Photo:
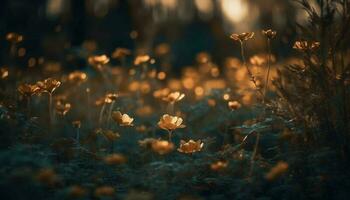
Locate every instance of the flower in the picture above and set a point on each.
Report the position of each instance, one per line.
(219, 165)
(114, 159)
(242, 37)
(174, 97)
(77, 191)
(141, 59)
(234, 105)
(77, 77)
(48, 85)
(110, 97)
(190, 146)
(98, 60)
(306, 45)
(14, 37)
(146, 143)
(121, 53)
(76, 124)
(279, 169)
(104, 191)
(110, 135)
(62, 108)
(122, 119)
(170, 123)
(47, 176)
(28, 89)
(4, 73)
(162, 146)
(270, 34)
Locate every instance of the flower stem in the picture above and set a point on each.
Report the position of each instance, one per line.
(101, 113)
(170, 134)
(50, 109)
(252, 161)
(268, 69)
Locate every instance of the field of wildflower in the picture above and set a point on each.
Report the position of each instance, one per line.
(87, 122)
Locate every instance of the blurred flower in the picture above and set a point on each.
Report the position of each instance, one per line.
(104, 191)
(77, 191)
(119, 53)
(279, 169)
(234, 105)
(110, 97)
(122, 119)
(47, 176)
(28, 89)
(162, 146)
(48, 85)
(190, 146)
(306, 45)
(203, 57)
(219, 165)
(77, 77)
(242, 37)
(270, 34)
(257, 60)
(141, 59)
(145, 110)
(162, 49)
(76, 124)
(98, 60)
(159, 94)
(14, 37)
(4, 73)
(62, 108)
(110, 135)
(174, 97)
(114, 159)
(170, 123)
(146, 143)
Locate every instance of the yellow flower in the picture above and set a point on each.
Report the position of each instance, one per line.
(77, 77)
(270, 34)
(174, 97)
(110, 135)
(306, 45)
(234, 105)
(162, 146)
(122, 119)
(170, 123)
(121, 53)
(28, 89)
(14, 37)
(141, 59)
(48, 85)
(190, 146)
(98, 60)
(242, 37)
(62, 108)
(110, 97)
(146, 143)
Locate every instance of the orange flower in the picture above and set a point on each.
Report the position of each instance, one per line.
(306, 45)
(141, 59)
(110, 97)
(170, 123)
(28, 89)
(104, 191)
(62, 108)
(110, 135)
(77, 77)
(76, 124)
(121, 53)
(190, 146)
(162, 146)
(234, 105)
(270, 34)
(4, 73)
(48, 85)
(77, 191)
(242, 37)
(146, 143)
(219, 165)
(47, 176)
(14, 37)
(122, 119)
(98, 60)
(174, 97)
(115, 159)
(279, 169)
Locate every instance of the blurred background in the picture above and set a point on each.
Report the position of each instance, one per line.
(72, 29)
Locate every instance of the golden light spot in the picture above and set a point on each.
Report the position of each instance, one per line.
(21, 52)
(226, 97)
(31, 62)
(199, 91)
(161, 75)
